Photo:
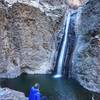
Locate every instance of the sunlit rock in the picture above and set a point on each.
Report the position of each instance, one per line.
(76, 3)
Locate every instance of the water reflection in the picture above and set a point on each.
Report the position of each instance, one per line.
(54, 89)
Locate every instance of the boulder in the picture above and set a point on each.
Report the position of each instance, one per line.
(9, 94)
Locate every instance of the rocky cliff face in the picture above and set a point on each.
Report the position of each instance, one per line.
(26, 40)
(86, 57)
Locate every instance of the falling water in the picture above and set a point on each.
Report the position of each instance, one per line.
(63, 48)
(93, 97)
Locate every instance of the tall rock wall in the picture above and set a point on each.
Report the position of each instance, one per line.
(26, 39)
(86, 57)
(27, 35)
(9, 94)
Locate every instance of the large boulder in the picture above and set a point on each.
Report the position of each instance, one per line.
(9, 94)
(86, 56)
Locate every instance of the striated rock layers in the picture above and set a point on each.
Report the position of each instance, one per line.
(26, 40)
(86, 57)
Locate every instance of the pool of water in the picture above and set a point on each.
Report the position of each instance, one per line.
(54, 89)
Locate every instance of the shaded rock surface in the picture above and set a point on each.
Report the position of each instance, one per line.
(8, 94)
(86, 57)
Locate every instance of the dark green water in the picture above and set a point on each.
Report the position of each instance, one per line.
(54, 89)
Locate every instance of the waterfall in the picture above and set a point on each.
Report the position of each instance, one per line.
(61, 58)
(93, 97)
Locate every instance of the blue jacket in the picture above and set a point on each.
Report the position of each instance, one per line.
(34, 94)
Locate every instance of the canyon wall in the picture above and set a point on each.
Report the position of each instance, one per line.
(86, 56)
(27, 41)
(27, 35)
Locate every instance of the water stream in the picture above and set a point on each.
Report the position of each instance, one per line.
(61, 58)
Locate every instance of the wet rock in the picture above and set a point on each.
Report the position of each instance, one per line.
(86, 57)
(70, 44)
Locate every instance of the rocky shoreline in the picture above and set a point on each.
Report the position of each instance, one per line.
(9, 94)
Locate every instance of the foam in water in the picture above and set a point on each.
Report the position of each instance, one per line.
(57, 76)
(63, 49)
(93, 97)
